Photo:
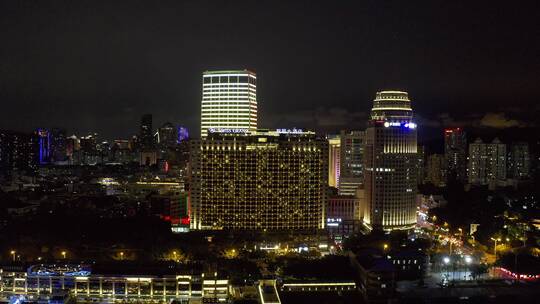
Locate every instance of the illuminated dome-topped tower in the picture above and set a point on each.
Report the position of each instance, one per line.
(391, 105)
(390, 163)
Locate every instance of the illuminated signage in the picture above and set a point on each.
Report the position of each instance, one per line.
(409, 125)
(228, 130)
(333, 222)
(392, 124)
(290, 131)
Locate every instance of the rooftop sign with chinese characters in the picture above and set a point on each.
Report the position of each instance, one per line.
(290, 131)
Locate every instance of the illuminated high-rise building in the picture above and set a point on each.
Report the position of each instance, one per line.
(267, 180)
(390, 163)
(334, 155)
(519, 161)
(182, 134)
(351, 175)
(18, 150)
(455, 153)
(44, 146)
(487, 163)
(229, 101)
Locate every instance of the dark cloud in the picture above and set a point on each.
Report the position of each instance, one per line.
(319, 119)
(500, 121)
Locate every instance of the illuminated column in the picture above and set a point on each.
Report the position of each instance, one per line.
(229, 100)
(164, 289)
(334, 161)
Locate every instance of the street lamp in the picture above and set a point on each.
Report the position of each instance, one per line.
(13, 252)
(495, 247)
(64, 253)
(174, 254)
(468, 262)
(121, 255)
(385, 247)
(446, 260)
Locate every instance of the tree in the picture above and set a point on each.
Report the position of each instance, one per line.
(479, 270)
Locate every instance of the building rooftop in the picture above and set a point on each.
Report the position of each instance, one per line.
(245, 71)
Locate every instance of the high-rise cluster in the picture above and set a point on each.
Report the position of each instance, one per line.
(253, 179)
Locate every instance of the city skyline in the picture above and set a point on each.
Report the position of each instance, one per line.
(272, 152)
(315, 75)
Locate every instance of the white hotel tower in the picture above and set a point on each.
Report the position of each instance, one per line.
(389, 162)
(229, 101)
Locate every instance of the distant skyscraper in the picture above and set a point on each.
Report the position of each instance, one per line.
(18, 150)
(58, 145)
(519, 161)
(487, 162)
(268, 180)
(182, 134)
(229, 101)
(390, 163)
(167, 135)
(455, 152)
(88, 154)
(351, 161)
(334, 155)
(436, 170)
(44, 146)
(146, 136)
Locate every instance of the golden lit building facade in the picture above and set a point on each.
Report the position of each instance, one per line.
(266, 180)
(390, 163)
(334, 161)
(229, 100)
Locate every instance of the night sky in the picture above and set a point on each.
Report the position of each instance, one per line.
(98, 66)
